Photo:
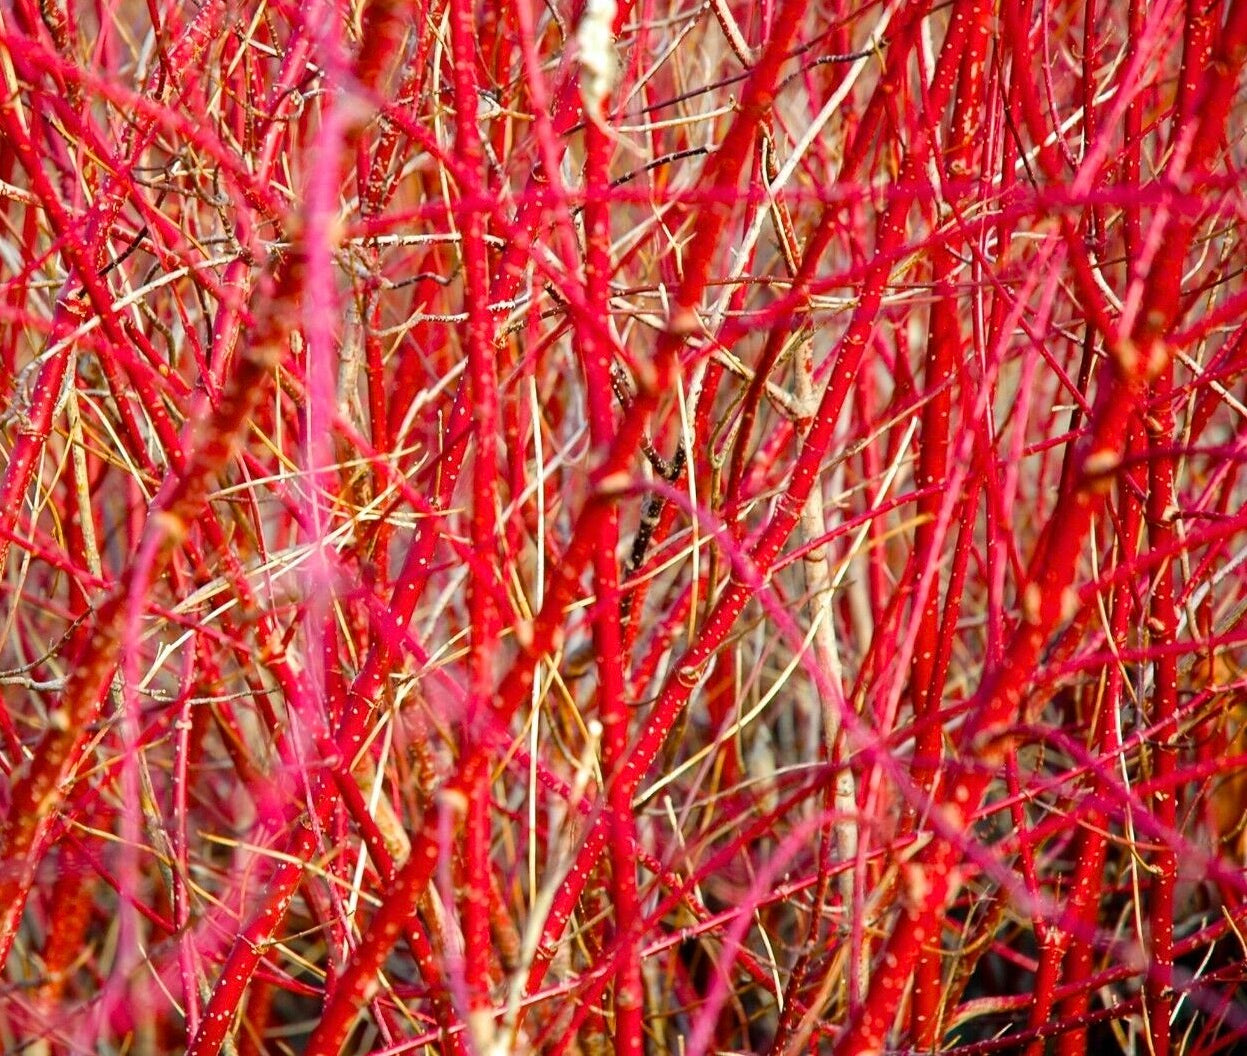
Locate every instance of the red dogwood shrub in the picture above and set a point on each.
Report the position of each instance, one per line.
(620, 526)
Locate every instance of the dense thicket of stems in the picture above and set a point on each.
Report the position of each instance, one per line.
(612, 526)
